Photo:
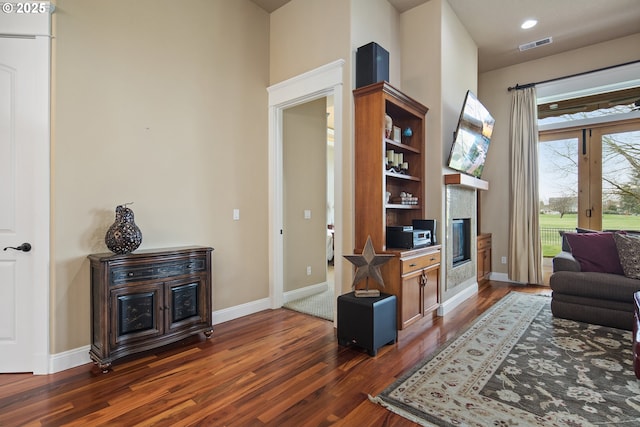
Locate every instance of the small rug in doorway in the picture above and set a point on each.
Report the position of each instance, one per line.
(517, 365)
(319, 305)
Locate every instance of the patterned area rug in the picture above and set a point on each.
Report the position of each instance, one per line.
(517, 365)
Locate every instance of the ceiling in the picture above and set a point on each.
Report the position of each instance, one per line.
(494, 25)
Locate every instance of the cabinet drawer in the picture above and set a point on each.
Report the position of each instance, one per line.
(484, 243)
(418, 263)
(179, 268)
(129, 274)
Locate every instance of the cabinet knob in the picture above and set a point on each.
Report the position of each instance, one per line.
(412, 265)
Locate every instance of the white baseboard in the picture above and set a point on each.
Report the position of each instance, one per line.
(450, 304)
(80, 356)
(69, 359)
(305, 292)
(235, 312)
(499, 277)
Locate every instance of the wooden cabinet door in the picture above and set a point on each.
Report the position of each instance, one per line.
(185, 304)
(410, 304)
(136, 314)
(430, 281)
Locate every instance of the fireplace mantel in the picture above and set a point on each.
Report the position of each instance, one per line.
(466, 180)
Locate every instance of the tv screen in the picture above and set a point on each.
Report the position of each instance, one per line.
(472, 137)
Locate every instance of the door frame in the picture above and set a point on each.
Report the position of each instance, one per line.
(38, 27)
(321, 82)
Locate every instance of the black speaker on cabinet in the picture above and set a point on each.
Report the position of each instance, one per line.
(426, 224)
(372, 64)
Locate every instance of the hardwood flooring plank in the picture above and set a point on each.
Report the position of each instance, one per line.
(273, 368)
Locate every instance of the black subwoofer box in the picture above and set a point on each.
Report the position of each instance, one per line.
(372, 64)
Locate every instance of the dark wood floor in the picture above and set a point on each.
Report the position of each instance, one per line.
(274, 368)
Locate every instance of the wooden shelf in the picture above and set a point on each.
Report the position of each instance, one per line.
(466, 180)
(400, 206)
(401, 146)
(402, 176)
(412, 275)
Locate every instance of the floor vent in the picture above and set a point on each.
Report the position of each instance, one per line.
(533, 45)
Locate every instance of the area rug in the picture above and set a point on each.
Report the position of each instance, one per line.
(319, 305)
(517, 365)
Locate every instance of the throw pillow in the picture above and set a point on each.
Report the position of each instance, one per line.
(595, 252)
(629, 254)
(565, 244)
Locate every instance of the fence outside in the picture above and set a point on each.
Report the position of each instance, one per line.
(551, 240)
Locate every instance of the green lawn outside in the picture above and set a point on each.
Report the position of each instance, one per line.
(551, 243)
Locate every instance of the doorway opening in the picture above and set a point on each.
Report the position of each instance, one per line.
(308, 211)
(322, 82)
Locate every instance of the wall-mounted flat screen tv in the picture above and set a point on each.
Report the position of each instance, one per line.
(472, 137)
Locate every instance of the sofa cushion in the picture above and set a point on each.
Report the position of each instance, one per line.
(596, 252)
(599, 286)
(629, 254)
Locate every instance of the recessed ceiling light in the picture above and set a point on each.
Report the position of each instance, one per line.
(529, 23)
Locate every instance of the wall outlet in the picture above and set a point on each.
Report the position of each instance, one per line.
(236, 214)
(307, 214)
(503, 260)
(308, 270)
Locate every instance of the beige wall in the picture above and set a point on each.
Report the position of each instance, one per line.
(299, 42)
(492, 87)
(439, 65)
(377, 21)
(162, 104)
(304, 159)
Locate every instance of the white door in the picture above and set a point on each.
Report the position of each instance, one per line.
(24, 154)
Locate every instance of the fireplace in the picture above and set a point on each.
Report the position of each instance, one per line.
(460, 237)
(461, 241)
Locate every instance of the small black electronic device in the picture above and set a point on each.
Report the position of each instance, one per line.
(406, 237)
(427, 224)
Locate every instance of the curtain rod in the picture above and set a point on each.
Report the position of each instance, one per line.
(524, 86)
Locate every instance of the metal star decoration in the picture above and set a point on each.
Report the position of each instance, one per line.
(368, 264)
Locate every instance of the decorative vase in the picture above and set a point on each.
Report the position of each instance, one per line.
(407, 134)
(123, 236)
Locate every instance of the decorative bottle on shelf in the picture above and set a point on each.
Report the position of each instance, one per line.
(406, 135)
(124, 236)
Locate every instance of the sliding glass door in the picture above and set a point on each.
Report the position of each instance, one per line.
(558, 162)
(589, 178)
(620, 179)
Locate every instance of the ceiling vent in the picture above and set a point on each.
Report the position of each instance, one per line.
(533, 45)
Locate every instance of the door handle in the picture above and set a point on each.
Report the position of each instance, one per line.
(25, 247)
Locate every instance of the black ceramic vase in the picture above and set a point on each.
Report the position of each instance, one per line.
(123, 236)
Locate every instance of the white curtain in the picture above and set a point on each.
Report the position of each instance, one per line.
(525, 252)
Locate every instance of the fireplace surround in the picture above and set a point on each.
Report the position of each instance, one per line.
(461, 216)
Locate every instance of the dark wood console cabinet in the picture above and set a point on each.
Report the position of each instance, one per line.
(148, 299)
